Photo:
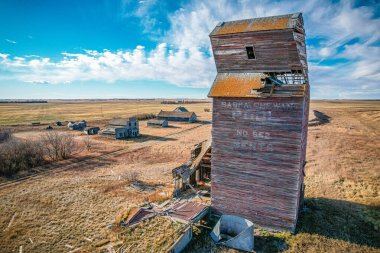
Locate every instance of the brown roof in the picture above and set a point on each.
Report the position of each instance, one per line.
(258, 24)
(175, 114)
(252, 85)
(236, 84)
(157, 121)
(137, 215)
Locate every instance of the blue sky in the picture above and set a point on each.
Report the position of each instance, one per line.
(155, 49)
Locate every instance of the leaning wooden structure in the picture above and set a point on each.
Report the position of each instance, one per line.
(260, 114)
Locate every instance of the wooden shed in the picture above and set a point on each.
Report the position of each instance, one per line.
(177, 116)
(91, 130)
(260, 114)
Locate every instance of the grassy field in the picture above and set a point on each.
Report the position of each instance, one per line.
(23, 113)
(62, 212)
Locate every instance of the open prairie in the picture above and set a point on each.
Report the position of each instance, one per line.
(90, 110)
(69, 211)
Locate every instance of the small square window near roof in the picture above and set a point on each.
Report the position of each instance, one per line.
(250, 53)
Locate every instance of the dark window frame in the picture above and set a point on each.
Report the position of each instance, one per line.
(250, 50)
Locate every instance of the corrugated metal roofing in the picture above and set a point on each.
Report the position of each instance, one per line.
(139, 214)
(189, 211)
(257, 24)
(252, 85)
(174, 114)
(236, 84)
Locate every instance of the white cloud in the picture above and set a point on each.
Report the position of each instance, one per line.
(3, 56)
(161, 63)
(10, 41)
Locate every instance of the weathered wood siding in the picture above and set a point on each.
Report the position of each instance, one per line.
(278, 50)
(258, 152)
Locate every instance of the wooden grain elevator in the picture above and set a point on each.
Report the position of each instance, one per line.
(260, 116)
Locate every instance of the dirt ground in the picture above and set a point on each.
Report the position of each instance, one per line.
(71, 209)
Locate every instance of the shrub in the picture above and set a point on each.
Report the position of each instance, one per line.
(88, 144)
(16, 155)
(132, 176)
(144, 116)
(5, 136)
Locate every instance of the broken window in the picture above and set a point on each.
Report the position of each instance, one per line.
(250, 53)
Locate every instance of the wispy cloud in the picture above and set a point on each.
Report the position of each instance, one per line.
(10, 41)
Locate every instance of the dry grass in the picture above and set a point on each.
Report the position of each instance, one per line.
(154, 235)
(77, 204)
(12, 114)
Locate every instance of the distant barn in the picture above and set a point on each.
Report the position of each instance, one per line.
(177, 116)
(260, 114)
(181, 109)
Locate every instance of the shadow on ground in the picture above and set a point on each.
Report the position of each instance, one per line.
(342, 220)
(320, 119)
(147, 137)
(204, 122)
(320, 221)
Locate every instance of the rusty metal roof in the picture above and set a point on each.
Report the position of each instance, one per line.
(139, 214)
(236, 84)
(190, 211)
(253, 85)
(258, 24)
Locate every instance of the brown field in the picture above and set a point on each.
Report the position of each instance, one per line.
(15, 114)
(69, 211)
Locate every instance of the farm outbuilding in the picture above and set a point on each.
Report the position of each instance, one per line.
(260, 115)
(177, 116)
(194, 171)
(91, 130)
(80, 126)
(123, 128)
(157, 123)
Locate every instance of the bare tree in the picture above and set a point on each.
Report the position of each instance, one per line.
(58, 145)
(88, 143)
(132, 176)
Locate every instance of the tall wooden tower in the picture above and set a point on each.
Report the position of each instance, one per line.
(260, 116)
